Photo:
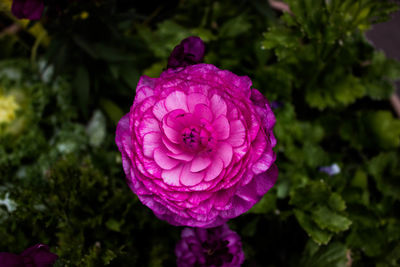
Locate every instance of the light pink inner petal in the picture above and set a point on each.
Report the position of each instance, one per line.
(162, 159)
(224, 151)
(151, 141)
(214, 169)
(189, 178)
(238, 133)
(221, 127)
(202, 111)
(171, 134)
(159, 110)
(171, 177)
(200, 162)
(176, 100)
(194, 99)
(218, 106)
(185, 156)
(173, 119)
(174, 148)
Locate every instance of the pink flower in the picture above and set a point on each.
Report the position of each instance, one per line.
(209, 247)
(197, 145)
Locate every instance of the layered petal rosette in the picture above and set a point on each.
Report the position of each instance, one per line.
(211, 247)
(197, 145)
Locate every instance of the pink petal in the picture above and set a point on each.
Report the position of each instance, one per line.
(176, 100)
(194, 99)
(151, 142)
(238, 133)
(185, 156)
(202, 111)
(148, 125)
(264, 162)
(218, 106)
(214, 169)
(159, 110)
(171, 177)
(199, 163)
(225, 152)
(162, 159)
(174, 148)
(171, 134)
(221, 127)
(189, 178)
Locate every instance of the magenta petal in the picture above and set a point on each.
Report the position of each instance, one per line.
(264, 162)
(195, 99)
(218, 106)
(238, 133)
(225, 152)
(202, 111)
(184, 156)
(162, 159)
(176, 100)
(189, 178)
(171, 177)
(159, 110)
(214, 169)
(171, 134)
(151, 142)
(221, 127)
(148, 125)
(199, 163)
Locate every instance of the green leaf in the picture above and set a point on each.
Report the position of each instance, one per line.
(332, 255)
(384, 128)
(328, 219)
(336, 202)
(114, 225)
(234, 27)
(318, 235)
(265, 205)
(385, 169)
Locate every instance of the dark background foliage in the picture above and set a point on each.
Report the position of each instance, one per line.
(72, 76)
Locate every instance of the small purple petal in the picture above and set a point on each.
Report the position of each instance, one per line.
(330, 170)
(189, 52)
(27, 9)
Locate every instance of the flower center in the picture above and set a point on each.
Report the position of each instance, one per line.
(197, 138)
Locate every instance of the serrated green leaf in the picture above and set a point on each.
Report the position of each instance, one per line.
(332, 255)
(331, 220)
(336, 202)
(318, 235)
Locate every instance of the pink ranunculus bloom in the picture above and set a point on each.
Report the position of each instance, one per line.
(197, 145)
(211, 247)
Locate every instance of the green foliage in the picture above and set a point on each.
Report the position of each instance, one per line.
(61, 179)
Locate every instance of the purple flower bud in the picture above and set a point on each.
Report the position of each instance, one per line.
(27, 9)
(189, 52)
(39, 256)
(218, 246)
(330, 170)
